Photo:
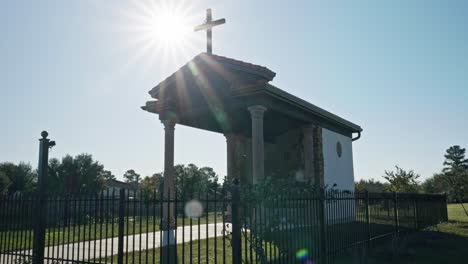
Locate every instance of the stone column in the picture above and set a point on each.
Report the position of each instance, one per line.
(168, 249)
(318, 158)
(258, 155)
(231, 165)
(231, 155)
(168, 192)
(309, 161)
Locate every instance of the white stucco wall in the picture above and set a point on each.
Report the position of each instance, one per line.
(337, 170)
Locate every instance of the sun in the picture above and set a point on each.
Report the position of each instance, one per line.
(161, 32)
(170, 27)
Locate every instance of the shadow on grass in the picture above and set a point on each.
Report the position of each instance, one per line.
(445, 243)
(291, 241)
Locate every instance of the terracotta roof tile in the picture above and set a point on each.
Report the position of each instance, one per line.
(262, 71)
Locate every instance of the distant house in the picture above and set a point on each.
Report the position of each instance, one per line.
(114, 186)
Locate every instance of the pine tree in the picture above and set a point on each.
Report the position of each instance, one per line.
(456, 173)
(455, 159)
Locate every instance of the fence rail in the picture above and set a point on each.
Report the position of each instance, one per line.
(216, 227)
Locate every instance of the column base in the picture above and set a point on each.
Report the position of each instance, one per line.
(169, 254)
(168, 247)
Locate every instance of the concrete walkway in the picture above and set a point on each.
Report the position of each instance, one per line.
(98, 249)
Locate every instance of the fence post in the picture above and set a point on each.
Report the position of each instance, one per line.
(395, 212)
(445, 207)
(369, 236)
(236, 225)
(416, 220)
(41, 206)
(121, 222)
(323, 227)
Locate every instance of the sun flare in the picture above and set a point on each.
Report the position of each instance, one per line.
(161, 32)
(170, 27)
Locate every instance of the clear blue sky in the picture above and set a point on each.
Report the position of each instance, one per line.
(80, 70)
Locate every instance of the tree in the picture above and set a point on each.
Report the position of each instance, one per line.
(107, 175)
(435, 184)
(402, 180)
(131, 176)
(55, 179)
(69, 174)
(456, 173)
(455, 159)
(75, 174)
(4, 183)
(90, 173)
(457, 181)
(151, 185)
(21, 177)
(371, 186)
(191, 180)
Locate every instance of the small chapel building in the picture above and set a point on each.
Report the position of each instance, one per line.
(269, 132)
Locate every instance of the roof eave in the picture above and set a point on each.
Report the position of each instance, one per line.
(312, 108)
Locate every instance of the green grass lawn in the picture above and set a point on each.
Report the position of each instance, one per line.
(456, 212)
(203, 251)
(183, 253)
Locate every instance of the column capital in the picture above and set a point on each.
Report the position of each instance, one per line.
(256, 111)
(169, 124)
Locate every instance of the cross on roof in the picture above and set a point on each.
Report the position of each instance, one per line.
(208, 25)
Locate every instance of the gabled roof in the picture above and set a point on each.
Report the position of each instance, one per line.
(260, 71)
(234, 84)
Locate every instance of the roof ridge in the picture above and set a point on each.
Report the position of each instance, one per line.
(239, 62)
(260, 70)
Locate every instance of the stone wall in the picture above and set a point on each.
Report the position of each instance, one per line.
(284, 158)
(241, 163)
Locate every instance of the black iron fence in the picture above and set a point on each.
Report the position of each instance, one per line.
(324, 227)
(215, 227)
